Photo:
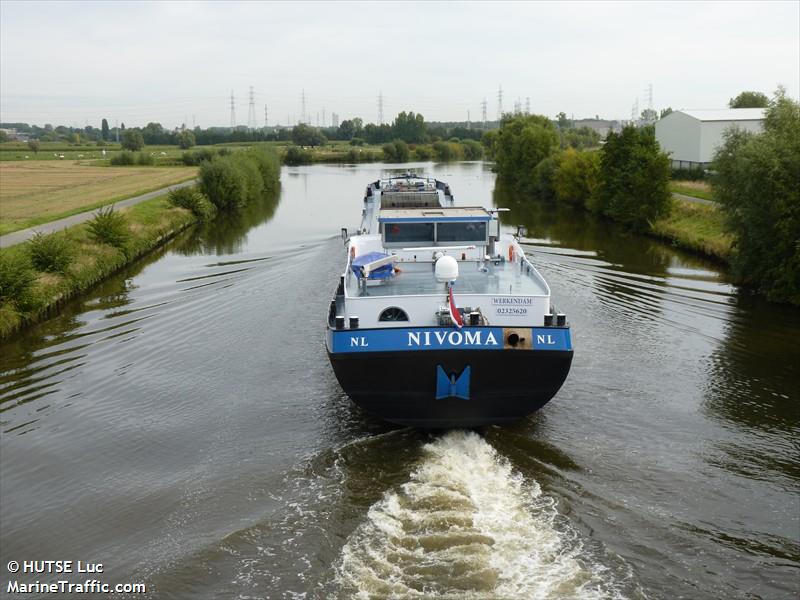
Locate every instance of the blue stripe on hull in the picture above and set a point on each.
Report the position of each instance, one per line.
(441, 338)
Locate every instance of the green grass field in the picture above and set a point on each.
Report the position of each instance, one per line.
(36, 192)
(696, 189)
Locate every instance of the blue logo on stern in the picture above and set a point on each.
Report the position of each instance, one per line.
(448, 386)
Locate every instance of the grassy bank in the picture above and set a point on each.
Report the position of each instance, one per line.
(696, 189)
(696, 227)
(149, 225)
(37, 192)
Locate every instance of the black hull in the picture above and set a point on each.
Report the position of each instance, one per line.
(401, 387)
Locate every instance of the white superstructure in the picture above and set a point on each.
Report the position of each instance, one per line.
(408, 225)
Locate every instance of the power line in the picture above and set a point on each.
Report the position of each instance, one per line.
(251, 112)
(500, 103)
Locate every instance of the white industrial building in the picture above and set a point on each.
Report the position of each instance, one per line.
(691, 137)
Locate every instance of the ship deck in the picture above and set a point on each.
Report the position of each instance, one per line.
(418, 279)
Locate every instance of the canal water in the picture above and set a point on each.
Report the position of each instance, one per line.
(181, 425)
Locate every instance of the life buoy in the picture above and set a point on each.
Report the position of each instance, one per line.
(510, 253)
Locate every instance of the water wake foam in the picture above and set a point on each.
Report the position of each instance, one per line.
(466, 526)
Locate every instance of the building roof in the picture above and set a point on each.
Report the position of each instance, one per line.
(428, 215)
(726, 114)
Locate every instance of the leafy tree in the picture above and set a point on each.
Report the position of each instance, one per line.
(305, 135)
(489, 141)
(104, 131)
(154, 133)
(74, 138)
(749, 100)
(472, 150)
(649, 115)
(543, 176)
(756, 182)
(377, 134)
(410, 127)
(563, 121)
(34, 146)
(523, 141)
(186, 139)
(132, 140)
(635, 173)
(665, 112)
(582, 137)
(3, 136)
(577, 177)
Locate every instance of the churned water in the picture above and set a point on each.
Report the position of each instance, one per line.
(181, 424)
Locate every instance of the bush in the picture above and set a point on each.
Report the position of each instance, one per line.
(195, 157)
(234, 180)
(190, 199)
(693, 174)
(577, 177)
(472, 150)
(145, 159)
(396, 151)
(132, 140)
(16, 276)
(123, 159)
(297, 156)
(51, 252)
(423, 152)
(221, 183)
(269, 167)
(356, 141)
(306, 135)
(634, 186)
(756, 182)
(445, 151)
(110, 227)
(186, 139)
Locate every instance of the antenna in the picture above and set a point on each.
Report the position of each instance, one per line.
(380, 108)
(233, 111)
(483, 110)
(500, 103)
(251, 111)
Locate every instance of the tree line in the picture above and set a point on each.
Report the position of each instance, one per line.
(755, 178)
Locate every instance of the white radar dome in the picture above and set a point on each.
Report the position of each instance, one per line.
(446, 269)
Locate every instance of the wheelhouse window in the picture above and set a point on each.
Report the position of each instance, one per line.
(409, 232)
(461, 232)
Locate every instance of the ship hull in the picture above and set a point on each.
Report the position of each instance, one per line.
(398, 378)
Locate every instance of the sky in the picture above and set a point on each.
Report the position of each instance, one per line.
(74, 63)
